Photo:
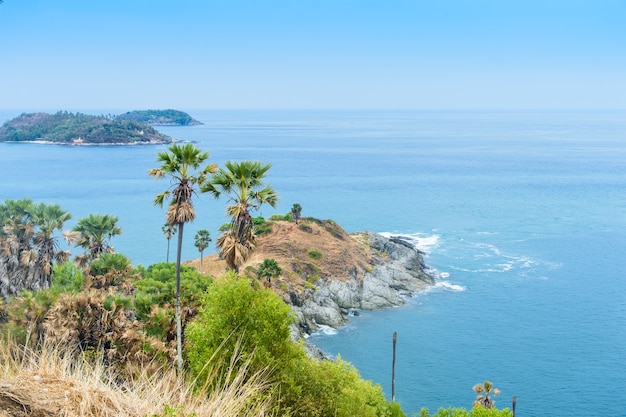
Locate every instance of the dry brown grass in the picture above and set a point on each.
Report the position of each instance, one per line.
(47, 382)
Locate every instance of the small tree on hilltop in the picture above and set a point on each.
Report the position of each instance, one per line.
(269, 269)
(296, 210)
(201, 241)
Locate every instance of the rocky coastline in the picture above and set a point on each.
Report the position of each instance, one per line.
(397, 271)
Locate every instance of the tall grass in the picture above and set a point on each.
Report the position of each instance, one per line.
(49, 382)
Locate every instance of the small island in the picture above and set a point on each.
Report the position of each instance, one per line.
(68, 128)
(159, 117)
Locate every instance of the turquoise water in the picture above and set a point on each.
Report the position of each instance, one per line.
(522, 216)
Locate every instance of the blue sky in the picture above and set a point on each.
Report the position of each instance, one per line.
(313, 54)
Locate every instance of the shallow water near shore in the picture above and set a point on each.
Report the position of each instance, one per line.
(522, 216)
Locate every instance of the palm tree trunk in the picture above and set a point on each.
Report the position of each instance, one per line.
(167, 259)
(179, 326)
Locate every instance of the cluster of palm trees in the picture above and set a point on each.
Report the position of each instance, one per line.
(242, 182)
(29, 248)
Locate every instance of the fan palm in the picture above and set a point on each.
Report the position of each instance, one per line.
(296, 210)
(201, 241)
(168, 230)
(242, 182)
(48, 218)
(182, 163)
(93, 234)
(28, 248)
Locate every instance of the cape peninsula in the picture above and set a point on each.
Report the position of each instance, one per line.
(328, 275)
(79, 129)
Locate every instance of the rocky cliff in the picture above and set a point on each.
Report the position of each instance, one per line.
(395, 270)
(328, 274)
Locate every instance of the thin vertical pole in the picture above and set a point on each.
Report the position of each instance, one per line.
(393, 368)
(514, 404)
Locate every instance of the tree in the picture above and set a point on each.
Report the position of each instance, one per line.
(28, 248)
(269, 269)
(201, 241)
(296, 209)
(48, 218)
(242, 182)
(168, 230)
(183, 164)
(93, 234)
(483, 390)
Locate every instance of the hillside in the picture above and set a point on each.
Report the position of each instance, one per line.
(159, 117)
(328, 274)
(78, 129)
(293, 246)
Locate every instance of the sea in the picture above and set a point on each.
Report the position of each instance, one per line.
(521, 216)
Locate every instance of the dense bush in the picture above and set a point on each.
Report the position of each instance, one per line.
(155, 297)
(235, 317)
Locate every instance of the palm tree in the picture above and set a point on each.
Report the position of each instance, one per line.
(202, 240)
(169, 230)
(296, 210)
(182, 163)
(93, 234)
(48, 218)
(485, 388)
(242, 182)
(28, 248)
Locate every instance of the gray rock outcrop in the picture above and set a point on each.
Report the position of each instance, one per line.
(398, 271)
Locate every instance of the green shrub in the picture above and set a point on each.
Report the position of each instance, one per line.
(315, 254)
(107, 262)
(305, 228)
(67, 277)
(281, 217)
(157, 288)
(262, 228)
(254, 325)
(234, 313)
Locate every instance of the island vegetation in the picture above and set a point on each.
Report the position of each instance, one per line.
(167, 117)
(79, 129)
(96, 335)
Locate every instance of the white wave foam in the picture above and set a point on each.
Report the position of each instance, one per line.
(420, 241)
(326, 330)
(446, 286)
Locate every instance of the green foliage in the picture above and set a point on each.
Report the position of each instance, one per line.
(315, 254)
(269, 269)
(233, 310)
(225, 227)
(66, 127)
(305, 228)
(236, 318)
(67, 277)
(158, 117)
(462, 412)
(157, 287)
(281, 217)
(263, 229)
(108, 262)
(296, 211)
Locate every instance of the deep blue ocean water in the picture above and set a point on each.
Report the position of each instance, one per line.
(522, 216)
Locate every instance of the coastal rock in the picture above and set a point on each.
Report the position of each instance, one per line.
(398, 271)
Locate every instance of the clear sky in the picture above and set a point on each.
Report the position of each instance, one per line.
(313, 54)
